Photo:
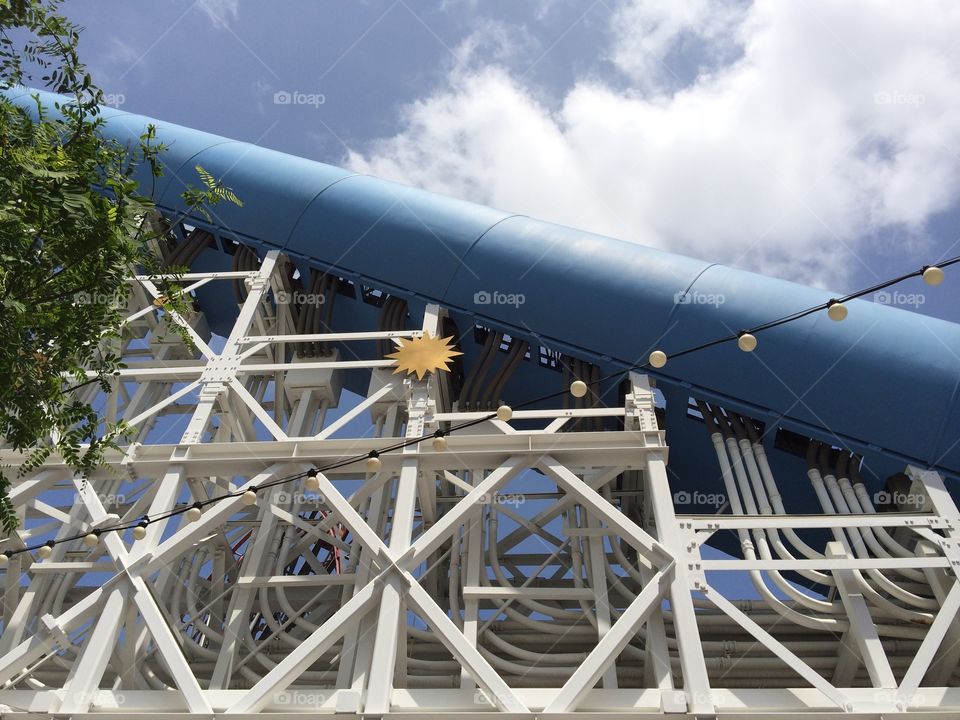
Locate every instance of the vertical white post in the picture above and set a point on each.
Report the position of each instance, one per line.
(696, 683)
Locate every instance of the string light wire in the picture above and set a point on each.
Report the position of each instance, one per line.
(146, 520)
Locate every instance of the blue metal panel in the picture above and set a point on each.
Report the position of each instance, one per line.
(371, 229)
(880, 376)
(126, 128)
(602, 296)
(285, 184)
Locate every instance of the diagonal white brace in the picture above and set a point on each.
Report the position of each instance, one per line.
(777, 648)
(598, 505)
(433, 537)
(299, 659)
(931, 643)
(93, 659)
(168, 649)
(351, 518)
(612, 644)
(473, 662)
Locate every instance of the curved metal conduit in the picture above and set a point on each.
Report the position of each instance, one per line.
(824, 484)
(863, 536)
(244, 260)
(560, 625)
(881, 533)
(473, 383)
(722, 445)
(636, 653)
(315, 312)
(769, 499)
(477, 393)
(204, 637)
(777, 502)
(836, 505)
(185, 253)
(393, 316)
(492, 396)
(833, 487)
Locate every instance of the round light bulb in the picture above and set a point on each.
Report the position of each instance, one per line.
(932, 275)
(91, 539)
(4, 559)
(504, 412)
(249, 498)
(578, 388)
(312, 483)
(658, 358)
(836, 310)
(373, 461)
(439, 443)
(193, 514)
(140, 531)
(45, 551)
(747, 342)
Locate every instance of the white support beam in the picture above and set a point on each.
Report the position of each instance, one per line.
(496, 690)
(835, 696)
(433, 537)
(300, 658)
(93, 659)
(946, 618)
(601, 599)
(391, 620)
(597, 504)
(862, 627)
(611, 644)
(696, 682)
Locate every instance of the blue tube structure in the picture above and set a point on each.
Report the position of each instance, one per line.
(883, 379)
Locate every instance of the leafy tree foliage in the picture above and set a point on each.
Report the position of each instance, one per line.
(73, 224)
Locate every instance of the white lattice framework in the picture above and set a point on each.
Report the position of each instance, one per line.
(440, 583)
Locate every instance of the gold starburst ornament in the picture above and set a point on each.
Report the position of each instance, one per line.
(421, 355)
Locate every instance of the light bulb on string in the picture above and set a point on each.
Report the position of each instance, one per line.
(658, 358)
(836, 310)
(932, 275)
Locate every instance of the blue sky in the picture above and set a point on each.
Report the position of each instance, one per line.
(814, 141)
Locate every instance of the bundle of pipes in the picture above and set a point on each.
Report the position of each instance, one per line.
(185, 253)
(393, 316)
(244, 260)
(313, 311)
(480, 394)
(576, 369)
(752, 490)
(308, 308)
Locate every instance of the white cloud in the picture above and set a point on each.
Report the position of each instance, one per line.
(817, 126)
(491, 42)
(114, 60)
(649, 31)
(220, 12)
